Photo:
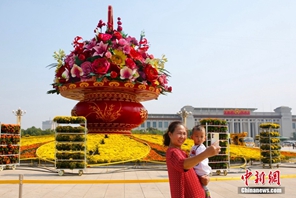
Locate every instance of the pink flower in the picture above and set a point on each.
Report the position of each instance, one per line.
(122, 42)
(163, 79)
(100, 49)
(92, 43)
(126, 73)
(100, 66)
(65, 75)
(87, 69)
(108, 54)
(132, 40)
(126, 49)
(76, 71)
(168, 88)
(70, 59)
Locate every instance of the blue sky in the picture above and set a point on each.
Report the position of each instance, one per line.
(226, 53)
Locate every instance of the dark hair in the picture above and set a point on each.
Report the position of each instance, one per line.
(197, 128)
(171, 128)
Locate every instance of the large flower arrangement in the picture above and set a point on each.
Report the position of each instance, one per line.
(113, 56)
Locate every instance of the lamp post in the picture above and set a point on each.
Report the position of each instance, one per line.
(184, 115)
(18, 113)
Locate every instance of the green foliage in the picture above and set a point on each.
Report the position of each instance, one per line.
(150, 130)
(33, 131)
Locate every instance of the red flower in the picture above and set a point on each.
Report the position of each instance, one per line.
(143, 45)
(130, 63)
(59, 75)
(114, 68)
(135, 54)
(104, 37)
(151, 73)
(117, 35)
(100, 66)
(143, 41)
(78, 45)
(101, 24)
(81, 57)
(113, 74)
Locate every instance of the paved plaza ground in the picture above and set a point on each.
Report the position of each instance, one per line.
(128, 182)
(133, 181)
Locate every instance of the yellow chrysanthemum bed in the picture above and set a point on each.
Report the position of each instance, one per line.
(114, 148)
(120, 148)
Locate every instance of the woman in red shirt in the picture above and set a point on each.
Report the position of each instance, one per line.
(183, 181)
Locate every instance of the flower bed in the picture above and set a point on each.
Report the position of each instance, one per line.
(157, 152)
(129, 149)
(29, 145)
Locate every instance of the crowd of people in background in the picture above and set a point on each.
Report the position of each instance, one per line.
(289, 144)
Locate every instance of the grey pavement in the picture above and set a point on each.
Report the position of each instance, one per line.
(146, 181)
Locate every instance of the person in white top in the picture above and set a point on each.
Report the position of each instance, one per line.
(198, 135)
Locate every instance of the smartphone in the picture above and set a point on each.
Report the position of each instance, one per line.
(214, 137)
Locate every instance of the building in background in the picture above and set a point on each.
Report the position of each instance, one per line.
(159, 121)
(238, 119)
(48, 124)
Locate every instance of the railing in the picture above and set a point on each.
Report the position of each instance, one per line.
(22, 181)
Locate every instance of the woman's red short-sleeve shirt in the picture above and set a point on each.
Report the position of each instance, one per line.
(183, 183)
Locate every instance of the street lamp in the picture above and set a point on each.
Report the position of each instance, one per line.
(18, 113)
(184, 115)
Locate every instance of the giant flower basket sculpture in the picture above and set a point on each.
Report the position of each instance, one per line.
(110, 75)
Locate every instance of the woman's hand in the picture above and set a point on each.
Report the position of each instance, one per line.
(214, 149)
(204, 180)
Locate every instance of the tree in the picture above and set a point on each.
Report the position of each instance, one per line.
(154, 131)
(33, 131)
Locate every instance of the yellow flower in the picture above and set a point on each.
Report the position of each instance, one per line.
(118, 57)
(59, 56)
(157, 63)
